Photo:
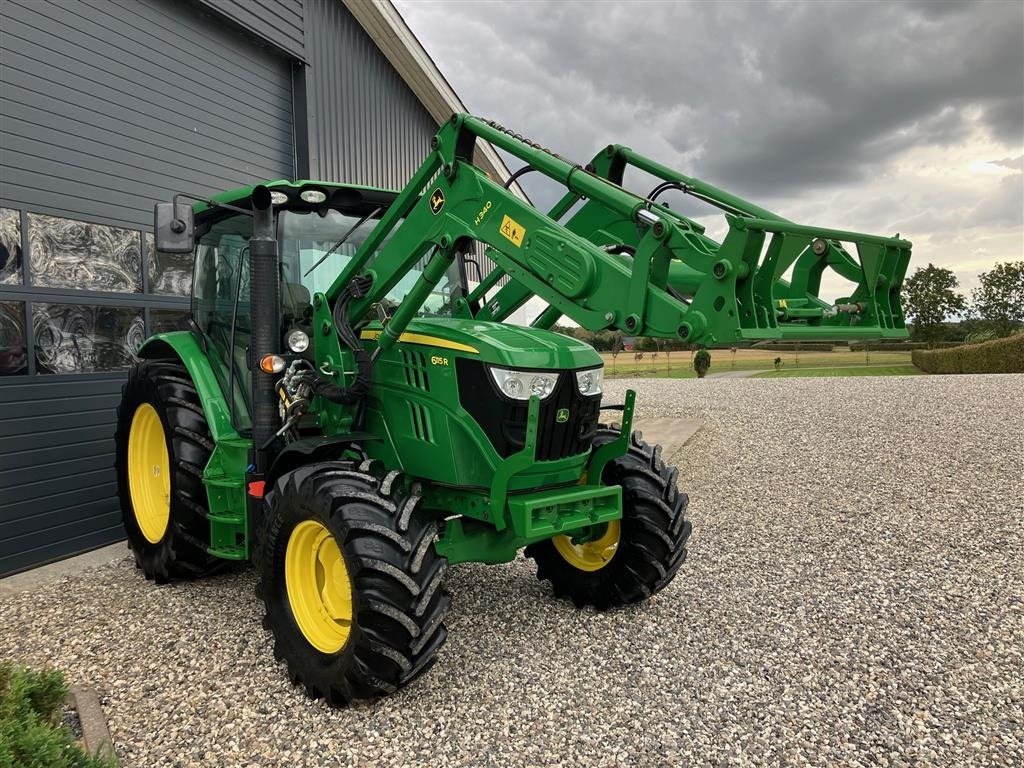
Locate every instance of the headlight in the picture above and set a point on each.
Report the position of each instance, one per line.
(522, 385)
(298, 341)
(313, 195)
(277, 197)
(590, 382)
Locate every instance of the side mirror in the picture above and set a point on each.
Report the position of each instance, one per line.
(173, 228)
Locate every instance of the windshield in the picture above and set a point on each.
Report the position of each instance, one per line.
(306, 236)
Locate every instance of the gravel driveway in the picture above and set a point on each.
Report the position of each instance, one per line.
(854, 596)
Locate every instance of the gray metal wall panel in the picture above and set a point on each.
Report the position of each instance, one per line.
(57, 490)
(107, 106)
(110, 105)
(366, 126)
(277, 21)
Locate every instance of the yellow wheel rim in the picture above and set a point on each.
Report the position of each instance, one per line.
(319, 589)
(149, 476)
(590, 555)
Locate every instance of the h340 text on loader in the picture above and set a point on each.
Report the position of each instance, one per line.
(350, 413)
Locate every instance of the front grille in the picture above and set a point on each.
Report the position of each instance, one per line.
(504, 419)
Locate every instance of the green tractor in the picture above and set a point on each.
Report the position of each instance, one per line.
(350, 409)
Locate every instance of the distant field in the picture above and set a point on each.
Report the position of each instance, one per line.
(677, 365)
(863, 370)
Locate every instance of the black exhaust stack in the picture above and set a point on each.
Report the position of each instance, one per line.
(264, 293)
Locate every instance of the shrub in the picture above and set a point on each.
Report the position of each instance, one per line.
(31, 731)
(999, 356)
(701, 362)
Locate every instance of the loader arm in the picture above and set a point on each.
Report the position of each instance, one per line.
(621, 261)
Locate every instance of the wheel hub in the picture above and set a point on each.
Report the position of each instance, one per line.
(149, 477)
(593, 552)
(318, 586)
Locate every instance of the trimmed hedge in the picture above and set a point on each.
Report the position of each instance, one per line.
(901, 346)
(999, 356)
(32, 734)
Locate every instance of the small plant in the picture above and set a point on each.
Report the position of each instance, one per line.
(701, 362)
(31, 731)
(778, 363)
(617, 347)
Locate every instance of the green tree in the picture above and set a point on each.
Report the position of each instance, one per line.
(645, 344)
(701, 362)
(999, 300)
(929, 298)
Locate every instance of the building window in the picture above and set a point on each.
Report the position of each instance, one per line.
(169, 273)
(76, 254)
(13, 354)
(74, 338)
(10, 247)
(167, 320)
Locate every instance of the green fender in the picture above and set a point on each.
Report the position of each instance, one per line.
(224, 474)
(183, 345)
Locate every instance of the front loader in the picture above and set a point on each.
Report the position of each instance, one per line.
(350, 409)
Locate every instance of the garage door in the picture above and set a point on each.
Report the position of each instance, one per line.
(107, 107)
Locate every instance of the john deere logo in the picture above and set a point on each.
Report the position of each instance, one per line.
(562, 415)
(436, 201)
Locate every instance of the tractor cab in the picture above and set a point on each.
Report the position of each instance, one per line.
(319, 228)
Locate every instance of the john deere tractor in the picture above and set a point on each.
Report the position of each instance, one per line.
(350, 409)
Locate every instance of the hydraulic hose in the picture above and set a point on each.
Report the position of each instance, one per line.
(356, 393)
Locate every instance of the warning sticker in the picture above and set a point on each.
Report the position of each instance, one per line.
(513, 230)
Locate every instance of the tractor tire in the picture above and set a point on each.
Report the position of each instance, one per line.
(627, 561)
(350, 580)
(162, 445)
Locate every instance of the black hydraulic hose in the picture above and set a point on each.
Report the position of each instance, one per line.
(664, 187)
(356, 393)
(686, 190)
(521, 172)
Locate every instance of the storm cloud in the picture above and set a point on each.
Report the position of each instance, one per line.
(867, 115)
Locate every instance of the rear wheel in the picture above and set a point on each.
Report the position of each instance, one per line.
(625, 561)
(351, 581)
(162, 446)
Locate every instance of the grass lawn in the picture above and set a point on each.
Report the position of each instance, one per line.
(860, 370)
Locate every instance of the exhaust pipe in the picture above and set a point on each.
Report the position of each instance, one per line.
(264, 295)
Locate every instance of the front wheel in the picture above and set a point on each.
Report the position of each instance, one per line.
(628, 560)
(162, 446)
(351, 581)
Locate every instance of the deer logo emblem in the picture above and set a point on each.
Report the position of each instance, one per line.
(436, 201)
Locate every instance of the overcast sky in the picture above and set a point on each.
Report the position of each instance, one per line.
(881, 117)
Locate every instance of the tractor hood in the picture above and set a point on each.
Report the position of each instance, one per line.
(499, 344)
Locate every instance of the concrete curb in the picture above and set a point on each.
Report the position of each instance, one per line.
(95, 735)
(671, 434)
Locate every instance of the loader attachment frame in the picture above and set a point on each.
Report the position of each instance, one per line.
(621, 260)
